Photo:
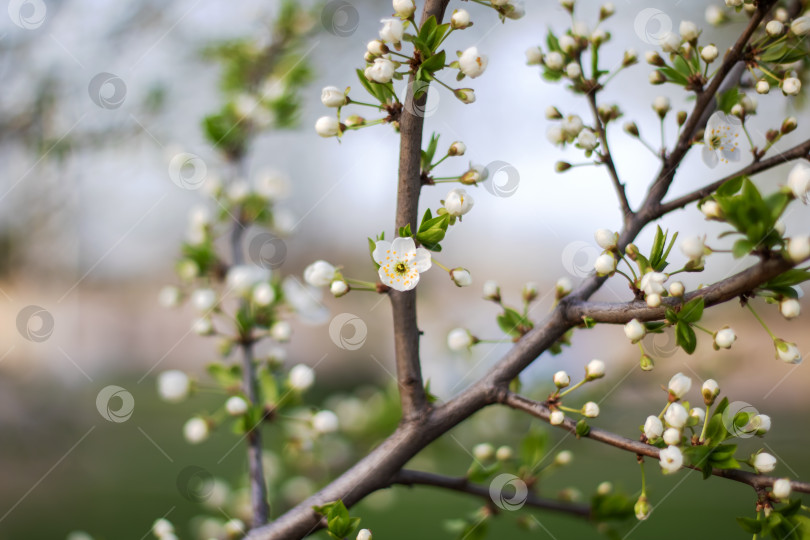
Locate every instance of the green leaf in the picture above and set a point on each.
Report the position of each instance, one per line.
(685, 337)
(728, 99)
(692, 311)
(513, 323)
(742, 247)
(750, 525)
(583, 428)
(730, 187)
(673, 75)
(658, 246)
(434, 63)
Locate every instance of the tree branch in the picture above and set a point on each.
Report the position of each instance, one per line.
(406, 331)
(541, 411)
(797, 152)
(717, 293)
(462, 485)
(627, 212)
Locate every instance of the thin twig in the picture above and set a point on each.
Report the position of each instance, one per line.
(408, 477)
(541, 411)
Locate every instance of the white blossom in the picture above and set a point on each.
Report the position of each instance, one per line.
(327, 126)
(281, 331)
(572, 125)
(787, 352)
(561, 379)
(670, 42)
(595, 369)
(605, 264)
(573, 71)
(554, 60)
(173, 385)
(534, 56)
(460, 19)
(590, 409)
(338, 288)
(236, 406)
(763, 87)
(800, 25)
(263, 294)
(774, 28)
(461, 277)
(672, 436)
(161, 527)
(714, 15)
(556, 418)
(606, 238)
(381, 71)
(790, 308)
(798, 248)
(401, 263)
(204, 300)
(676, 288)
(301, 377)
(710, 390)
(587, 139)
(698, 413)
(504, 453)
(799, 181)
(375, 47)
(483, 451)
(693, 247)
(404, 8)
(364, 534)
(332, 96)
(661, 105)
(721, 139)
(781, 488)
(635, 330)
(471, 63)
(653, 428)
(653, 283)
(760, 424)
(711, 209)
(688, 30)
(458, 202)
(169, 296)
(764, 462)
(679, 385)
(459, 339)
(319, 274)
(564, 457)
(243, 277)
(709, 53)
(724, 338)
(676, 416)
(325, 421)
(791, 86)
(671, 459)
(195, 430)
(392, 30)
(563, 286)
(491, 289)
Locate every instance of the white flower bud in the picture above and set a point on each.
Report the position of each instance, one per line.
(564, 457)
(595, 369)
(573, 71)
(319, 274)
(483, 451)
(671, 459)
(791, 86)
(661, 105)
(458, 148)
(563, 287)
(590, 409)
(710, 390)
(281, 331)
(376, 47)
(234, 528)
(327, 126)
(676, 416)
(763, 87)
(459, 339)
(798, 248)
(604, 488)
(605, 264)
(670, 42)
(653, 300)
(774, 28)
(460, 19)
(169, 296)
(504, 453)
(301, 377)
(764, 462)
(162, 527)
(203, 327)
(572, 125)
(392, 30)
(325, 421)
(679, 385)
(799, 181)
(567, 43)
(404, 8)
(790, 308)
(561, 379)
(491, 290)
(263, 294)
(698, 413)
(554, 60)
(364, 534)
(534, 56)
(458, 202)
(693, 247)
(471, 63)
(381, 71)
(688, 30)
(332, 96)
(724, 338)
(711, 209)
(760, 424)
(653, 428)
(672, 436)
(635, 330)
(734, 3)
(236, 406)
(606, 238)
(338, 288)
(709, 53)
(461, 277)
(787, 352)
(801, 25)
(676, 289)
(556, 418)
(195, 430)
(587, 139)
(781, 488)
(598, 36)
(173, 385)
(714, 15)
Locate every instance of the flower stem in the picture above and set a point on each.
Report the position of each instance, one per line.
(661, 416)
(440, 265)
(756, 315)
(361, 283)
(643, 480)
(572, 388)
(703, 329)
(353, 102)
(705, 426)
(569, 409)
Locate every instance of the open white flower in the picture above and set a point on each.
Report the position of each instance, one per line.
(458, 202)
(653, 428)
(671, 459)
(401, 262)
(799, 181)
(173, 385)
(721, 139)
(471, 63)
(653, 283)
(392, 30)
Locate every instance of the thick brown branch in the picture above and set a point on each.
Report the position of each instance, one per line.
(541, 411)
(461, 484)
(661, 185)
(627, 212)
(406, 331)
(722, 291)
(797, 152)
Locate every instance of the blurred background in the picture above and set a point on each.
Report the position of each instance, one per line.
(98, 97)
